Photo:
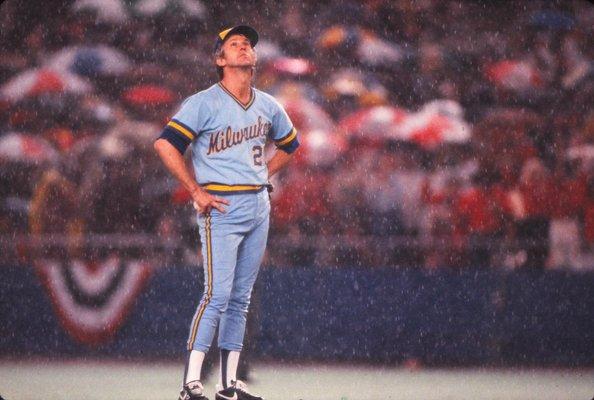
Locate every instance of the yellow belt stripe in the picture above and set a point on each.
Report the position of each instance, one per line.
(208, 284)
(181, 129)
(231, 188)
(288, 138)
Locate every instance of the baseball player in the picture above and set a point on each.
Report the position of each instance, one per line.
(227, 127)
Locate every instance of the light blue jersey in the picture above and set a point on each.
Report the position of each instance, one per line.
(228, 138)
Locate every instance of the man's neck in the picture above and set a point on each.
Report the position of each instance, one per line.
(238, 82)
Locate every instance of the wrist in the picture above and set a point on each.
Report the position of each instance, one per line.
(195, 190)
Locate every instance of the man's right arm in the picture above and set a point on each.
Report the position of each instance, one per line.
(176, 165)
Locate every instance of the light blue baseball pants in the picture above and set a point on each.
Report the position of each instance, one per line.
(233, 244)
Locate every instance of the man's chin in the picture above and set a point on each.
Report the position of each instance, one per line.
(243, 66)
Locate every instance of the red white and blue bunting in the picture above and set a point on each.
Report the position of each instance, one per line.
(92, 300)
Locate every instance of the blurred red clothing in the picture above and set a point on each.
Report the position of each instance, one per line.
(479, 210)
(589, 221)
(148, 95)
(514, 75)
(302, 197)
(568, 197)
(537, 196)
(589, 212)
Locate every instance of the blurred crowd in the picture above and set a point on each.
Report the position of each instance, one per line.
(433, 133)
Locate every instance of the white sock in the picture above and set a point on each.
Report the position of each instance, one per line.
(195, 365)
(229, 362)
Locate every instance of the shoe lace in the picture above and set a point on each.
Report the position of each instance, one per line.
(195, 387)
(240, 385)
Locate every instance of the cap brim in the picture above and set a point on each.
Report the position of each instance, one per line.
(244, 30)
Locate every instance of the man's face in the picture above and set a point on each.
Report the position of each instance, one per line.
(237, 52)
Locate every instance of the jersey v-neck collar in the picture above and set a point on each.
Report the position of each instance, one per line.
(244, 106)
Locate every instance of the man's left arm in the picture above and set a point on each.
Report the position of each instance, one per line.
(278, 161)
(285, 139)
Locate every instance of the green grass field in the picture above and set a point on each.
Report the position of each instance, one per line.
(68, 380)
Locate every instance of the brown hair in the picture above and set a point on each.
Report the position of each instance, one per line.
(219, 53)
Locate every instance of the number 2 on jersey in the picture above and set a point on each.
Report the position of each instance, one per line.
(257, 151)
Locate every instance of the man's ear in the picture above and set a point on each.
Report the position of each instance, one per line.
(220, 61)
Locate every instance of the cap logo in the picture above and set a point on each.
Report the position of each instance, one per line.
(244, 30)
(223, 34)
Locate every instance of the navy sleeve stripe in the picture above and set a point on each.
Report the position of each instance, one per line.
(290, 147)
(177, 140)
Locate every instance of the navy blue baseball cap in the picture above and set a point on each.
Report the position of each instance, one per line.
(244, 30)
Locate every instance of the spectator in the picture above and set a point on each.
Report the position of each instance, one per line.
(479, 216)
(525, 87)
(534, 191)
(567, 205)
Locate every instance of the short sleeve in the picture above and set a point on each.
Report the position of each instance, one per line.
(186, 124)
(283, 133)
(190, 117)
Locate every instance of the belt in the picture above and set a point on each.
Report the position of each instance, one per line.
(221, 188)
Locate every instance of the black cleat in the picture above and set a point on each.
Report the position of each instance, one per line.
(192, 391)
(226, 394)
(237, 391)
(242, 391)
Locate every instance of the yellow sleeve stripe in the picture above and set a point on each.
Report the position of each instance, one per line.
(288, 138)
(181, 129)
